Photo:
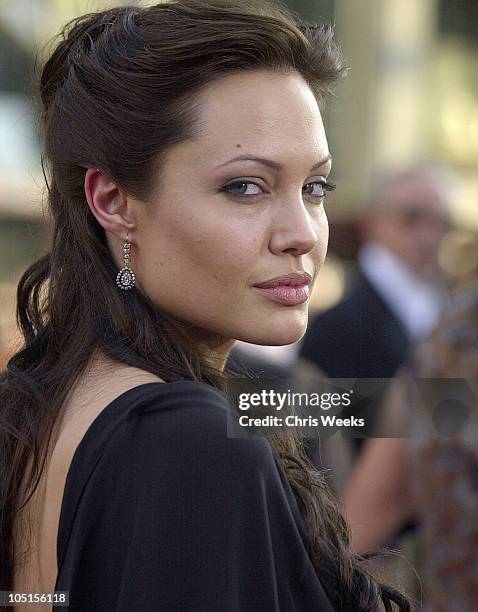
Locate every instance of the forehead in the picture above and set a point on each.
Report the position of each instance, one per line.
(264, 112)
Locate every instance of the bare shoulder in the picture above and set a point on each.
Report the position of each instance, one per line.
(103, 381)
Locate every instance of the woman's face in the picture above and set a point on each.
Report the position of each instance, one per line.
(218, 227)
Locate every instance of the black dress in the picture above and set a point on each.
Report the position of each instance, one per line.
(162, 511)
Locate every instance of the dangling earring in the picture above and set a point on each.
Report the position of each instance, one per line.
(125, 278)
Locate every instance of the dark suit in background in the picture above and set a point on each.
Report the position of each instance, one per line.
(360, 337)
(395, 300)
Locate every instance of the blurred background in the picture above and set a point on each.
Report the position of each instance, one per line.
(410, 101)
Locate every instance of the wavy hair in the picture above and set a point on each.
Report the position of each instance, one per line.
(119, 88)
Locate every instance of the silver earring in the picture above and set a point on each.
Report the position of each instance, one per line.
(125, 278)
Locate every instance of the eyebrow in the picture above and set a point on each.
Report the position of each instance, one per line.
(269, 162)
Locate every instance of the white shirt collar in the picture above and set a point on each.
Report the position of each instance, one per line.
(414, 301)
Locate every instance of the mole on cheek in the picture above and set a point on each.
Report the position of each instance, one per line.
(238, 146)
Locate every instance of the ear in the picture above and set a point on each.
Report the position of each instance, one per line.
(108, 203)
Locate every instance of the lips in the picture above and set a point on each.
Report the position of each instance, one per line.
(293, 279)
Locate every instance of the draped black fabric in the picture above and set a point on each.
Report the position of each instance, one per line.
(164, 511)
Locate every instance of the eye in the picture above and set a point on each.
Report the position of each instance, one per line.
(321, 188)
(237, 188)
(249, 189)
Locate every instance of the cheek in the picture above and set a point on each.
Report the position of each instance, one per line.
(226, 255)
(201, 253)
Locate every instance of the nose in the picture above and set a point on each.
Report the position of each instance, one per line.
(297, 229)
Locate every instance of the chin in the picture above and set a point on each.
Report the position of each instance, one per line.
(278, 335)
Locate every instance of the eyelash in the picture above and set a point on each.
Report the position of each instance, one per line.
(324, 184)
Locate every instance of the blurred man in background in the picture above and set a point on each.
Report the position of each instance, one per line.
(395, 300)
(398, 293)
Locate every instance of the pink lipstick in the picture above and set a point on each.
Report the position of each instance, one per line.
(289, 289)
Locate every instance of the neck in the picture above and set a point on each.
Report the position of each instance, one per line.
(214, 348)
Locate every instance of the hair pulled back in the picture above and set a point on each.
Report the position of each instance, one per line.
(118, 90)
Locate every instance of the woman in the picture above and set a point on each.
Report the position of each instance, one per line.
(188, 165)
(432, 473)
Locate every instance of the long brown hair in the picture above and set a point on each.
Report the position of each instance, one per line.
(118, 89)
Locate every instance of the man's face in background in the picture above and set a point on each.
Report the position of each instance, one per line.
(411, 222)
